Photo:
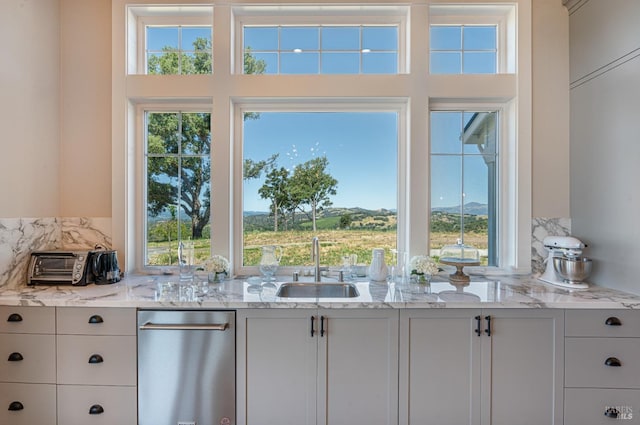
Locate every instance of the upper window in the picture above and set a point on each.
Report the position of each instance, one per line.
(348, 49)
(170, 40)
(471, 39)
(178, 49)
(321, 40)
(462, 49)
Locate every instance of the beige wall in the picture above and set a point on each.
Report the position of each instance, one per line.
(85, 82)
(79, 132)
(29, 108)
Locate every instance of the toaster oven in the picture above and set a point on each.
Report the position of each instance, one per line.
(73, 267)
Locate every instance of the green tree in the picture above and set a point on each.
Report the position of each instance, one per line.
(276, 188)
(193, 141)
(345, 221)
(311, 185)
(253, 169)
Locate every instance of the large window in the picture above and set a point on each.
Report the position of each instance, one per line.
(464, 181)
(369, 125)
(178, 184)
(326, 174)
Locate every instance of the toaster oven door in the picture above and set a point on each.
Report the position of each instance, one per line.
(58, 268)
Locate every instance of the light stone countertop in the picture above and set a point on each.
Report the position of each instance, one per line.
(150, 291)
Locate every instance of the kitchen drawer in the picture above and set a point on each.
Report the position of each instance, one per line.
(110, 405)
(605, 323)
(27, 320)
(115, 358)
(38, 402)
(37, 354)
(585, 362)
(587, 406)
(96, 321)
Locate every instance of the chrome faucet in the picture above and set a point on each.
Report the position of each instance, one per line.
(315, 256)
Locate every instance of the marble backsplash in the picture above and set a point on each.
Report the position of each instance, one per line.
(20, 236)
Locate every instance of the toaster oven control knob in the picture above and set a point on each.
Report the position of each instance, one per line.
(78, 276)
(80, 257)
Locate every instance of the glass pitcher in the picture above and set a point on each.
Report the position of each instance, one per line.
(270, 260)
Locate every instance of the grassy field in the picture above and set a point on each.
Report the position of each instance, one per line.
(297, 245)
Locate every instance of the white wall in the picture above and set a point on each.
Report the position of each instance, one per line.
(605, 141)
(29, 108)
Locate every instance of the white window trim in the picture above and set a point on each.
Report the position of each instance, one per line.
(140, 147)
(418, 86)
(240, 106)
(302, 16)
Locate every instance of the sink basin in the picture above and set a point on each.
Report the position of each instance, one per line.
(317, 290)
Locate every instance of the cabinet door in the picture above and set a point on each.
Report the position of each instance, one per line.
(358, 367)
(522, 370)
(439, 367)
(28, 404)
(99, 405)
(277, 367)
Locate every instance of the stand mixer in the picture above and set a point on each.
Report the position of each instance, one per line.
(567, 248)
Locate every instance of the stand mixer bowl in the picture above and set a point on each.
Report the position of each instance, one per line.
(573, 269)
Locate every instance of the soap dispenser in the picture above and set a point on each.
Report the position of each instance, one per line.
(378, 268)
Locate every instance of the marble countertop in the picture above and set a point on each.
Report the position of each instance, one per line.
(148, 291)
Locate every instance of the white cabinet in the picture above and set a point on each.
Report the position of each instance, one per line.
(481, 367)
(308, 366)
(602, 366)
(27, 365)
(96, 366)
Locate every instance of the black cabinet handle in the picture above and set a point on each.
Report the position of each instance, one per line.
(96, 358)
(478, 331)
(15, 317)
(16, 405)
(96, 319)
(15, 357)
(612, 413)
(96, 409)
(321, 326)
(613, 321)
(488, 330)
(612, 361)
(313, 319)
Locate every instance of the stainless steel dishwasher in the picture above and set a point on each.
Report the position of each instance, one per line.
(186, 367)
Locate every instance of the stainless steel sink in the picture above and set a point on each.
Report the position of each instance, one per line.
(317, 290)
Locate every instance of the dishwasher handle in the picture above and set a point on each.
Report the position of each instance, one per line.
(184, 327)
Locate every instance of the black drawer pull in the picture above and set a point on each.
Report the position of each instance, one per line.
(15, 317)
(612, 413)
(313, 318)
(613, 321)
(96, 409)
(612, 361)
(478, 331)
(16, 405)
(96, 358)
(96, 319)
(15, 357)
(488, 330)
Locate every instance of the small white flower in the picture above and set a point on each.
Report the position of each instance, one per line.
(216, 264)
(422, 264)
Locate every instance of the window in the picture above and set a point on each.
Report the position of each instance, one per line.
(464, 181)
(178, 49)
(319, 173)
(178, 184)
(410, 143)
(463, 49)
(170, 40)
(316, 49)
(472, 39)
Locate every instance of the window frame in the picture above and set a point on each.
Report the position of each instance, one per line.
(240, 106)
(141, 144)
(416, 87)
(256, 16)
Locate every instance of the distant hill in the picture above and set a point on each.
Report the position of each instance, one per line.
(473, 208)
